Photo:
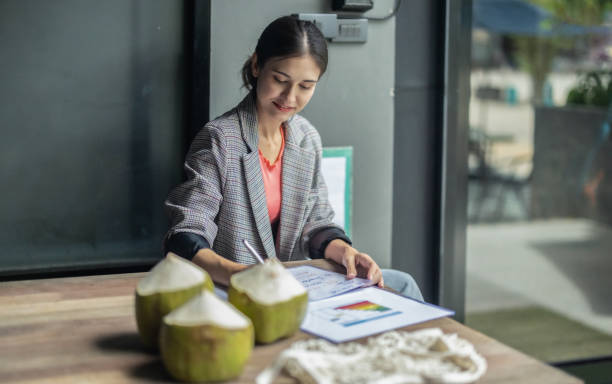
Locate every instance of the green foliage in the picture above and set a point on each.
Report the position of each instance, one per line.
(592, 89)
(581, 12)
(535, 54)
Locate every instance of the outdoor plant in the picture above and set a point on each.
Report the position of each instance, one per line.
(593, 88)
(536, 53)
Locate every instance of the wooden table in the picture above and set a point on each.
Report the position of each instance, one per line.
(83, 330)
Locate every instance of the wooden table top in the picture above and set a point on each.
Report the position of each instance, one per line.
(83, 330)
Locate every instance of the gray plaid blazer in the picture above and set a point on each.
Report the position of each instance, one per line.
(223, 199)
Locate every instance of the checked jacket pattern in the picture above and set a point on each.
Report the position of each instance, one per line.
(223, 198)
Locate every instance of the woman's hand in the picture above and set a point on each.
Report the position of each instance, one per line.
(219, 268)
(356, 263)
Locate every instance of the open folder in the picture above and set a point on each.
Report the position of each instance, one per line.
(341, 310)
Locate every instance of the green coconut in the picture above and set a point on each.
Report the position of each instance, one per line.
(206, 339)
(167, 286)
(271, 297)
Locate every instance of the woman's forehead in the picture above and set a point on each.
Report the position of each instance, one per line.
(302, 67)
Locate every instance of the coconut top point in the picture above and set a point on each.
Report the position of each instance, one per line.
(268, 283)
(171, 274)
(207, 309)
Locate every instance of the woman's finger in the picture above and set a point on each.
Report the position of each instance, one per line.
(364, 260)
(374, 273)
(349, 264)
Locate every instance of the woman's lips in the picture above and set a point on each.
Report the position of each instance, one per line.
(282, 108)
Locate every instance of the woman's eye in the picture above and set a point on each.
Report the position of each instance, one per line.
(279, 80)
(305, 86)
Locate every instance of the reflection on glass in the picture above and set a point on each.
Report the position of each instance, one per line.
(539, 253)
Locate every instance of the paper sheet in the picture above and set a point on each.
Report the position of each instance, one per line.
(221, 293)
(365, 312)
(322, 284)
(334, 173)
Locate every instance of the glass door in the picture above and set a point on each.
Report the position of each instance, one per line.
(539, 238)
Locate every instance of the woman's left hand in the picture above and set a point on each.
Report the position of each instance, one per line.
(356, 263)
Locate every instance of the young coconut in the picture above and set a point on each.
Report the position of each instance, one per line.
(168, 285)
(206, 339)
(271, 297)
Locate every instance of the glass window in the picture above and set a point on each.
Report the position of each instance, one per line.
(92, 118)
(539, 239)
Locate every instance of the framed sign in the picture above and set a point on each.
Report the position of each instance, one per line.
(337, 168)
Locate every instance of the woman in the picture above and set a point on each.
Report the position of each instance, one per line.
(255, 172)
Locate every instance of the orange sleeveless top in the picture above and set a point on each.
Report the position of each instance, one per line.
(272, 180)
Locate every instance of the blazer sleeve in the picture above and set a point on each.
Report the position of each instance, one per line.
(193, 205)
(319, 229)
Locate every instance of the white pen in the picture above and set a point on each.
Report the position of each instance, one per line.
(253, 251)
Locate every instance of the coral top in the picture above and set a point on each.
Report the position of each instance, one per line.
(272, 180)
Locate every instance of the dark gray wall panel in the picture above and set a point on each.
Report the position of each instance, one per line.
(418, 126)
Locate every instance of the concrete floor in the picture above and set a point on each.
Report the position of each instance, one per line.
(564, 265)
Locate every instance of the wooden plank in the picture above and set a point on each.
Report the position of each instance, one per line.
(82, 330)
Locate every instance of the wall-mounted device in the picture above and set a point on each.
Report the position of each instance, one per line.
(352, 5)
(326, 22)
(338, 30)
(352, 31)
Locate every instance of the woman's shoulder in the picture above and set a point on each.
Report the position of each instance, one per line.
(227, 121)
(221, 127)
(222, 131)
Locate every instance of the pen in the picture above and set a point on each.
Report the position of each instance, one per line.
(253, 251)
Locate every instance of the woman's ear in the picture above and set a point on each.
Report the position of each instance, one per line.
(254, 67)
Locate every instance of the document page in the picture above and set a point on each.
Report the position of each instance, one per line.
(322, 284)
(334, 172)
(366, 312)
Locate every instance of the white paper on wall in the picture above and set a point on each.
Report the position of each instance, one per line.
(334, 173)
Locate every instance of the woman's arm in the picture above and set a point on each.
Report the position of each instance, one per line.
(355, 262)
(319, 228)
(193, 205)
(219, 268)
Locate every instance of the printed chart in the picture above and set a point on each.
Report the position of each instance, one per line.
(355, 313)
(364, 312)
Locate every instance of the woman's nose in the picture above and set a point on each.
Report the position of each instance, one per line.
(289, 94)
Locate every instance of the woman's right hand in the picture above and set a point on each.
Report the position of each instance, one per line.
(219, 268)
(356, 263)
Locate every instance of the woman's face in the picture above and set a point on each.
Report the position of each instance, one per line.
(285, 86)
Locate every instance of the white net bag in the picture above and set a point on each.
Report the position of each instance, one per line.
(424, 356)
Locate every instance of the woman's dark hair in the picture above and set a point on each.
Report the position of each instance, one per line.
(287, 36)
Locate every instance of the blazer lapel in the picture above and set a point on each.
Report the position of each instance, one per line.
(252, 170)
(257, 197)
(296, 179)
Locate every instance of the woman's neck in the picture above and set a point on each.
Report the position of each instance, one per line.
(270, 139)
(268, 132)
(268, 128)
